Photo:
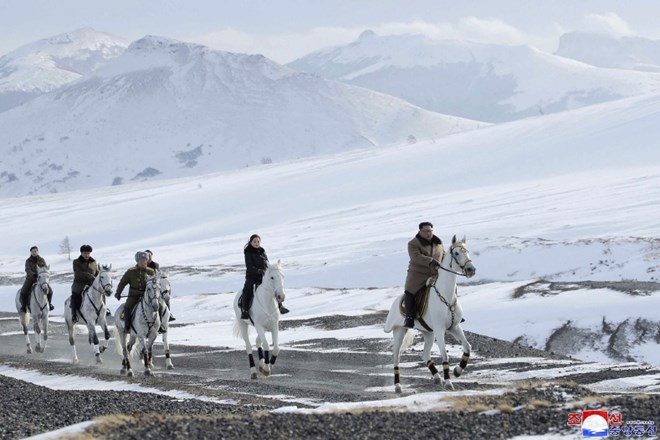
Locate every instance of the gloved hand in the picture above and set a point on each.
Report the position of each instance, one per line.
(435, 264)
(118, 296)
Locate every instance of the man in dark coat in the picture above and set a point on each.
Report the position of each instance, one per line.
(85, 271)
(426, 252)
(31, 264)
(136, 279)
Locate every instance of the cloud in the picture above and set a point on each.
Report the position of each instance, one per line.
(287, 47)
(610, 24)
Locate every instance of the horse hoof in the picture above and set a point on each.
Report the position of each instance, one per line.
(75, 361)
(253, 376)
(148, 373)
(449, 385)
(99, 360)
(170, 367)
(29, 350)
(129, 373)
(458, 371)
(122, 372)
(264, 371)
(102, 349)
(437, 379)
(398, 389)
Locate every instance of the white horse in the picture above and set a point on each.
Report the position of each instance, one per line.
(145, 322)
(37, 308)
(164, 312)
(443, 314)
(92, 313)
(264, 316)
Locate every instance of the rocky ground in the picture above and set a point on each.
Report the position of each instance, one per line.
(307, 374)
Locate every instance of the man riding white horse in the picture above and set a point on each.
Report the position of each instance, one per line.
(425, 251)
(85, 270)
(136, 279)
(31, 264)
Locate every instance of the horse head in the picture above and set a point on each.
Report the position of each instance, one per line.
(165, 287)
(43, 276)
(105, 279)
(461, 256)
(152, 292)
(274, 277)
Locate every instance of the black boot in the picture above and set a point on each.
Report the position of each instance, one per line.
(172, 318)
(127, 321)
(51, 307)
(411, 309)
(74, 314)
(283, 310)
(245, 314)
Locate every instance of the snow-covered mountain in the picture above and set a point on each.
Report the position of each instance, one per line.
(485, 82)
(601, 50)
(167, 109)
(48, 64)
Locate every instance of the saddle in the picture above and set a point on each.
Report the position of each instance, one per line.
(421, 299)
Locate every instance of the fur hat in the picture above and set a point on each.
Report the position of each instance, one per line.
(85, 248)
(140, 255)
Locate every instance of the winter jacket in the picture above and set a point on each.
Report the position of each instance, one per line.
(84, 273)
(422, 252)
(136, 279)
(31, 267)
(256, 262)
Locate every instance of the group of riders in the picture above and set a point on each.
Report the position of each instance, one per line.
(85, 271)
(425, 251)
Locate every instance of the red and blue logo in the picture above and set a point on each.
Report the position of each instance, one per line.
(595, 423)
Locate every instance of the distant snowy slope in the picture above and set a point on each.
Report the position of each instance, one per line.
(485, 82)
(48, 64)
(168, 109)
(607, 51)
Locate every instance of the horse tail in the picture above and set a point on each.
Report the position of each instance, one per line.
(25, 319)
(118, 338)
(237, 328)
(407, 339)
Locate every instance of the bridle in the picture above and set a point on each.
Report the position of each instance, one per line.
(453, 259)
(107, 290)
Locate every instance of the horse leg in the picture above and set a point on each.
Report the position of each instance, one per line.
(426, 356)
(127, 354)
(106, 334)
(276, 346)
(264, 356)
(71, 328)
(45, 328)
(243, 328)
(166, 347)
(145, 355)
(397, 334)
(457, 332)
(440, 340)
(25, 320)
(37, 332)
(94, 339)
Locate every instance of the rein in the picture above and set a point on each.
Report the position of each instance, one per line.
(45, 291)
(452, 306)
(91, 300)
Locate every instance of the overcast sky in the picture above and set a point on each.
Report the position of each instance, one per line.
(287, 29)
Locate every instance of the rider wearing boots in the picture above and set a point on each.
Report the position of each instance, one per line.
(31, 264)
(426, 252)
(156, 267)
(256, 263)
(85, 271)
(136, 279)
